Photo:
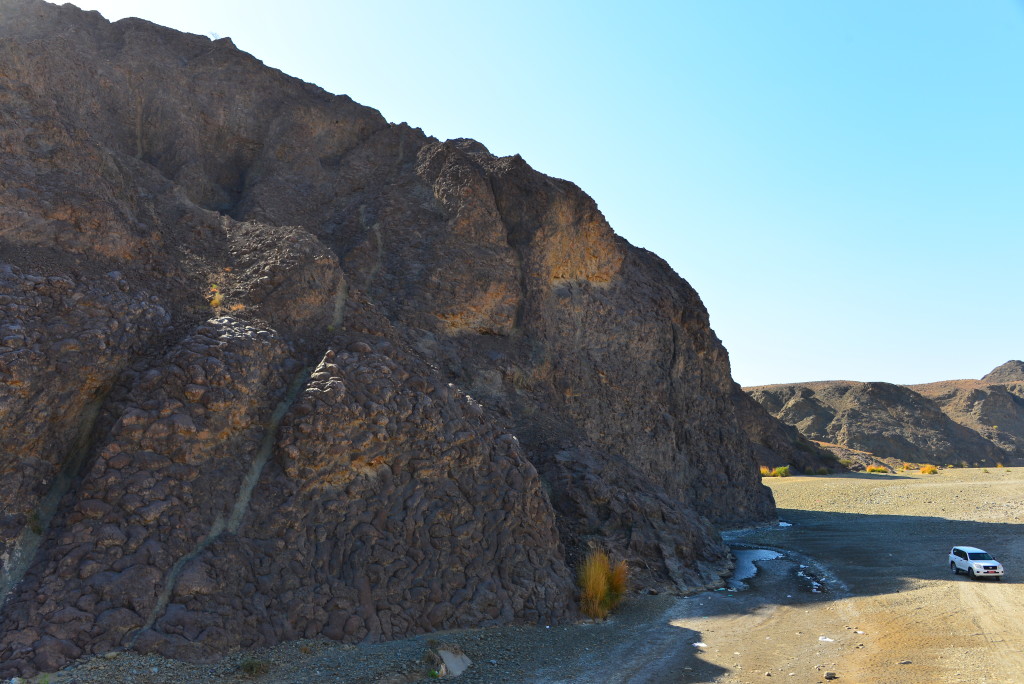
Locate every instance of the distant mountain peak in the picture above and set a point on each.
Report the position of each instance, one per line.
(1011, 371)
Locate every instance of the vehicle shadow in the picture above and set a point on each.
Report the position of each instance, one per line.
(868, 554)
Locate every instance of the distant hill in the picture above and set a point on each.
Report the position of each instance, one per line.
(954, 422)
(1011, 371)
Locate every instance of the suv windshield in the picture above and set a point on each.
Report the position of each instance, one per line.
(979, 556)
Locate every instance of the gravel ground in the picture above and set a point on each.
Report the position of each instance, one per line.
(861, 590)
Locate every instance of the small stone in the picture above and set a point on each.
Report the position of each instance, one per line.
(831, 675)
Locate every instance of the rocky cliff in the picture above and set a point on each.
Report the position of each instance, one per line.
(955, 422)
(272, 367)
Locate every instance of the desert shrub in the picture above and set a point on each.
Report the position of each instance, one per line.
(1000, 465)
(781, 471)
(214, 296)
(251, 667)
(877, 469)
(929, 469)
(601, 586)
(35, 523)
(823, 470)
(846, 462)
(910, 466)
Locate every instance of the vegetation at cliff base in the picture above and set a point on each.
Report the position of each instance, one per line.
(602, 585)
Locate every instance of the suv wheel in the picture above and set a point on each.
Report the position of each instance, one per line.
(970, 572)
(952, 566)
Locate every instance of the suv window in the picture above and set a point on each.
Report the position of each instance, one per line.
(979, 556)
(960, 554)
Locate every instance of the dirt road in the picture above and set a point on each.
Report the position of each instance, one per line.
(889, 610)
(862, 590)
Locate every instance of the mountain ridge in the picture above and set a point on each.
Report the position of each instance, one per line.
(951, 422)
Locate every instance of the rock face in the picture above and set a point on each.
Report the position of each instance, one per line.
(271, 367)
(974, 422)
(778, 444)
(993, 407)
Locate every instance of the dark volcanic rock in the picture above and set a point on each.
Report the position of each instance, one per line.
(370, 522)
(272, 367)
(602, 502)
(164, 483)
(63, 344)
(778, 444)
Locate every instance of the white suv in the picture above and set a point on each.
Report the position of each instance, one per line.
(975, 562)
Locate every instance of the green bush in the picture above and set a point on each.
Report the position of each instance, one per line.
(251, 667)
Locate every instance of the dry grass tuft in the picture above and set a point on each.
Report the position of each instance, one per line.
(765, 471)
(781, 471)
(877, 469)
(618, 581)
(601, 586)
(929, 469)
(214, 296)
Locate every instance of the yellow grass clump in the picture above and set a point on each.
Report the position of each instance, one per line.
(617, 582)
(877, 469)
(214, 296)
(781, 471)
(929, 469)
(601, 585)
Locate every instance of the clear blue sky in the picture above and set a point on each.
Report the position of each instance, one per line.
(842, 182)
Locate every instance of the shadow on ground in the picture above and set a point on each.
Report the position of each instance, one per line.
(876, 554)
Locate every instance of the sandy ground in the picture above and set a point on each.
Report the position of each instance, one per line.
(861, 593)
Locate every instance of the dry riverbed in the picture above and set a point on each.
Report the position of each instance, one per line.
(861, 592)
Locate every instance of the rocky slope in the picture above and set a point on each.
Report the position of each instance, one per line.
(272, 367)
(955, 422)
